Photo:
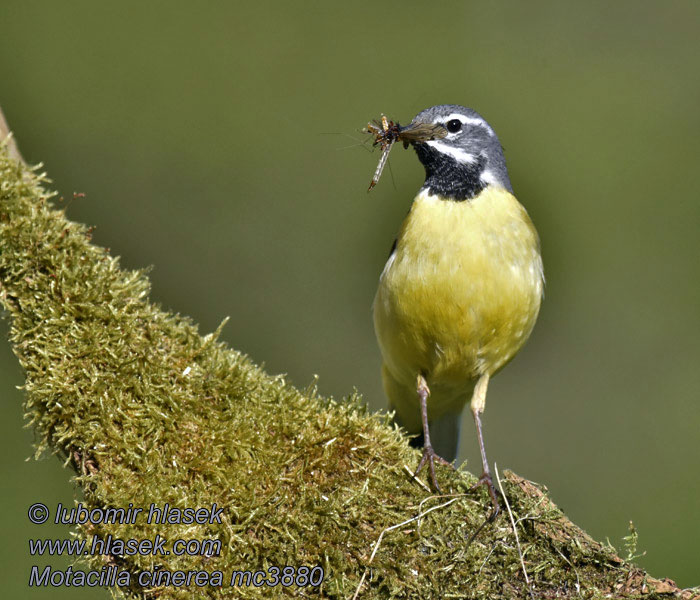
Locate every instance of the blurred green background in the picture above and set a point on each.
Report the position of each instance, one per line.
(220, 143)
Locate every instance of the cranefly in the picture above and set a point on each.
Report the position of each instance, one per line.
(386, 133)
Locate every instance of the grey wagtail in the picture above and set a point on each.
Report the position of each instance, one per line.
(462, 287)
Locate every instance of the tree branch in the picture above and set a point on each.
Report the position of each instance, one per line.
(148, 411)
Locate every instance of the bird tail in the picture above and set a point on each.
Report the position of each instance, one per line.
(445, 434)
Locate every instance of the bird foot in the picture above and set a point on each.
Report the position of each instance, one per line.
(429, 457)
(486, 480)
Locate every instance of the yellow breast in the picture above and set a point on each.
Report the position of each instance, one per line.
(461, 293)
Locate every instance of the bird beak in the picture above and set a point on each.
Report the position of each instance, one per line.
(416, 133)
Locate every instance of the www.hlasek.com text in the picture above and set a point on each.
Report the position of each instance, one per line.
(111, 546)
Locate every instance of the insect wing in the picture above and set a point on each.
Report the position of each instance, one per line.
(422, 132)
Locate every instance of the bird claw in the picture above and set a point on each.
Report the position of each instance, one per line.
(429, 457)
(486, 480)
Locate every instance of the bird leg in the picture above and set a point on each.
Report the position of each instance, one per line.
(477, 407)
(429, 455)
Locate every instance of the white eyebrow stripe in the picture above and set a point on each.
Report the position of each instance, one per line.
(457, 153)
(465, 120)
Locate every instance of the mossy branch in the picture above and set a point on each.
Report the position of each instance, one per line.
(147, 410)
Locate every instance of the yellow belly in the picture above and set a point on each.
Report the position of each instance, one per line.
(459, 296)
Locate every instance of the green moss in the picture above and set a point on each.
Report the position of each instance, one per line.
(147, 410)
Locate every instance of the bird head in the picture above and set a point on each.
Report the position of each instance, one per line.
(466, 157)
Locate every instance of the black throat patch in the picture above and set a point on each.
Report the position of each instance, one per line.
(449, 178)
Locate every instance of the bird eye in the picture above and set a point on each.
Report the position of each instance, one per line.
(454, 125)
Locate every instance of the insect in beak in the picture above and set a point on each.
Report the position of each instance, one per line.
(386, 133)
